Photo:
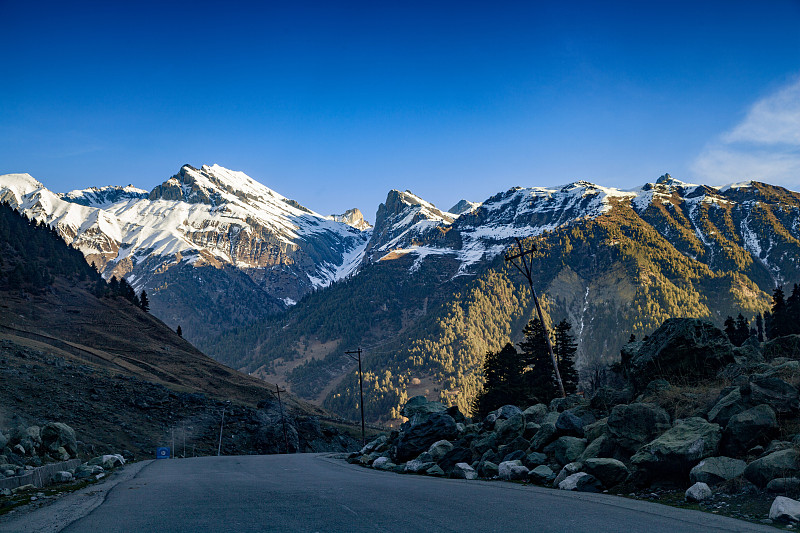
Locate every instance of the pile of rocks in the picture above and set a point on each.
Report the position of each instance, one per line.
(33, 446)
(741, 437)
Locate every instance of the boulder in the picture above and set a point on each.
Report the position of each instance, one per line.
(568, 470)
(420, 405)
(605, 398)
(512, 470)
(678, 449)
(727, 406)
(415, 466)
(439, 448)
(62, 477)
(559, 405)
(635, 424)
(534, 459)
(581, 482)
(56, 435)
(380, 462)
(610, 472)
(421, 431)
(784, 463)
(107, 461)
(61, 454)
(698, 492)
(513, 456)
(687, 349)
(435, 471)
(459, 454)
(715, 470)
(520, 443)
(463, 471)
(377, 445)
(508, 429)
(541, 475)
(546, 434)
(487, 469)
(785, 510)
(530, 430)
(535, 413)
(503, 413)
(774, 392)
(596, 430)
(569, 424)
(85, 471)
(783, 485)
(483, 443)
(749, 428)
(566, 449)
(599, 447)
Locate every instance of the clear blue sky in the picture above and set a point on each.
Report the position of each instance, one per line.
(333, 104)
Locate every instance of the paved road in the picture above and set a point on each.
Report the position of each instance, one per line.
(312, 492)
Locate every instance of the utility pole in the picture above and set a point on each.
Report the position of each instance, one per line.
(222, 423)
(283, 419)
(526, 270)
(361, 386)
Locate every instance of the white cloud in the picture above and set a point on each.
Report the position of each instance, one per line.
(765, 146)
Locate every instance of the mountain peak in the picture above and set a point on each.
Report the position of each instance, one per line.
(463, 206)
(352, 217)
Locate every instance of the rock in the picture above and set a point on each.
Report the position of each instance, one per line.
(569, 424)
(515, 455)
(559, 405)
(657, 386)
(416, 466)
(636, 424)
(566, 449)
(530, 429)
(376, 445)
(786, 346)
(783, 485)
(19, 449)
(510, 428)
(568, 470)
(420, 405)
(581, 482)
(774, 392)
(108, 461)
(715, 470)
(541, 475)
(56, 435)
(85, 471)
(435, 471)
(749, 428)
(535, 413)
(784, 463)
(729, 405)
(605, 398)
(610, 472)
(483, 443)
(678, 449)
(596, 430)
(698, 492)
(62, 477)
(534, 459)
(457, 455)
(687, 349)
(457, 415)
(487, 469)
(422, 431)
(599, 447)
(23, 488)
(380, 462)
(785, 509)
(546, 434)
(439, 448)
(512, 470)
(463, 471)
(61, 454)
(3, 440)
(520, 443)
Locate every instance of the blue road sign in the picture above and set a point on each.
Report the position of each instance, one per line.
(162, 453)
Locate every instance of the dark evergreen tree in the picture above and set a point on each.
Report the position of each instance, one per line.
(760, 327)
(113, 285)
(777, 326)
(179, 331)
(502, 371)
(742, 330)
(793, 311)
(730, 329)
(144, 303)
(564, 348)
(539, 376)
(632, 338)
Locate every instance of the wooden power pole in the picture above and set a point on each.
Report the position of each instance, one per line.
(526, 271)
(283, 419)
(350, 354)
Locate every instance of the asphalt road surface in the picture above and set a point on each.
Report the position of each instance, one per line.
(317, 492)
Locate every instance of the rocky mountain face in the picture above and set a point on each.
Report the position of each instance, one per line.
(433, 294)
(207, 235)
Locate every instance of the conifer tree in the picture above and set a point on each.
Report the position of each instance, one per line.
(730, 328)
(564, 349)
(777, 326)
(144, 303)
(760, 327)
(179, 331)
(540, 378)
(502, 371)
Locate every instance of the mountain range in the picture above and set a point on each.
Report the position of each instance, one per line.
(268, 286)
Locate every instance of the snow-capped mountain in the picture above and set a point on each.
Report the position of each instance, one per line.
(208, 217)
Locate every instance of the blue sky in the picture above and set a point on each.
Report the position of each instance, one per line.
(333, 104)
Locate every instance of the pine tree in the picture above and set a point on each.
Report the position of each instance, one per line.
(502, 371)
(179, 331)
(540, 378)
(564, 349)
(793, 311)
(144, 303)
(777, 326)
(730, 329)
(742, 330)
(760, 327)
